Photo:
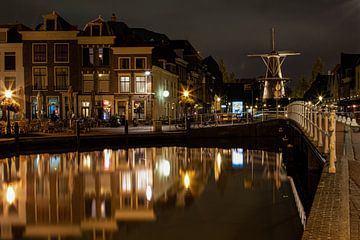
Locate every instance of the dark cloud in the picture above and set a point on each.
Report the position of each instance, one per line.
(226, 29)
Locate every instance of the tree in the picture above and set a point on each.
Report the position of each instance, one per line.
(300, 89)
(317, 69)
(227, 78)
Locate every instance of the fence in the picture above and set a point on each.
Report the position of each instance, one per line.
(319, 123)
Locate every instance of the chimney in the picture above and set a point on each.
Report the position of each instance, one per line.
(113, 17)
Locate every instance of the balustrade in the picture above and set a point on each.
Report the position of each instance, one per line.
(319, 125)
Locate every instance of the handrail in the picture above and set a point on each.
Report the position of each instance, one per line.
(319, 124)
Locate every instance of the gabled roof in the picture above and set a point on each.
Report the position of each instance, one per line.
(16, 26)
(105, 28)
(62, 24)
(183, 44)
(150, 37)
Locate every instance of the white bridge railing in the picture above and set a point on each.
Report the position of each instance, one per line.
(320, 126)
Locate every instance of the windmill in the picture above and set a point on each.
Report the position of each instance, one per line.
(274, 82)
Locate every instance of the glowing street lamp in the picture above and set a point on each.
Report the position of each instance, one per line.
(320, 98)
(186, 180)
(186, 93)
(10, 195)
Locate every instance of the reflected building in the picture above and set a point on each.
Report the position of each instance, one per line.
(90, 194)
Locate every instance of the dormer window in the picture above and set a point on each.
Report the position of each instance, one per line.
(96, 30)
(50, 25)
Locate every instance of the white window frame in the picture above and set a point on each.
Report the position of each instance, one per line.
(119, 65)
(145, 63)
(46, 52)
(99, 81)
(91, 29)
(83, 85)
(67, 80)
(119, 83)
(68, 53)
(46, 78)
(136, 83)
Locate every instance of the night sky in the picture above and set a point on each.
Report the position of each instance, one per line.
(225, 29)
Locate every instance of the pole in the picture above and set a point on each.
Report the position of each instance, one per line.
(326, 129)
(8, 126)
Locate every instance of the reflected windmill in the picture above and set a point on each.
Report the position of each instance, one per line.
(274, 82)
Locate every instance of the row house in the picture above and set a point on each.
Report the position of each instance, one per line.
(96, 95)
(51, 57)
(11, 65)
(344, 82)
(102, 70)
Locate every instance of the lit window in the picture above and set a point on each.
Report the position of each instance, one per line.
(140, 82)
(104, 83)
(88, 83)
(124, 84)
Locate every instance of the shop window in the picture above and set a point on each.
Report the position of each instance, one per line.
(139, 110)
(53, 107)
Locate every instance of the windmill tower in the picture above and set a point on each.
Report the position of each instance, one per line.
(274, 82)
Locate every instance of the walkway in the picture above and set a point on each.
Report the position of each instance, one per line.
(335, 213)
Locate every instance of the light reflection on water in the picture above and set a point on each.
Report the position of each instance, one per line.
(93, 195)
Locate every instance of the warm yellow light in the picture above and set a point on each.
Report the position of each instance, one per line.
(187, 180)
(218, 99)
(8, 93)
(10, 195)
(264, 105)
(186, 93)
(320, 98)
(148, 193)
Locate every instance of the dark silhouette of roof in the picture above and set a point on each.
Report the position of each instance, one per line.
(62, 24)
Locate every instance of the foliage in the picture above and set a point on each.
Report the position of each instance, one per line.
(10, 104)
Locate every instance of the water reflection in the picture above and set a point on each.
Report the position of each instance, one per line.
(86, 195)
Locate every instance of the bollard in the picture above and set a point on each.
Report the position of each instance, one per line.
(320, 138)
(332, 130)
(348, 121)
(78, 132)
(326, 129)
(126, 126)
(16, 130)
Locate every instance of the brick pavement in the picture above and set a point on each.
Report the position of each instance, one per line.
(354, 175)
(329, 216)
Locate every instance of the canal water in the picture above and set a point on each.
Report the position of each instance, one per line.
(149, 193)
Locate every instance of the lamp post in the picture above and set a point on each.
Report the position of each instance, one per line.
(166, 95)
(8, 96)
